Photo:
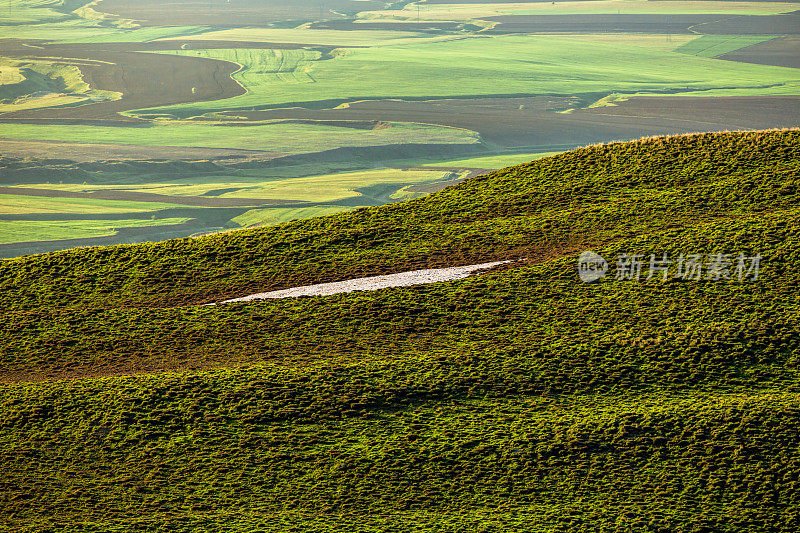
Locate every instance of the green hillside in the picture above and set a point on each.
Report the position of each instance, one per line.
(518, 400)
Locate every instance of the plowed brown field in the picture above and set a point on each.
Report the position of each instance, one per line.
(132, 196)
(85, 152)
(667, 24)
(781, 52)
(232, 13)
(145, 79)
(533, 123)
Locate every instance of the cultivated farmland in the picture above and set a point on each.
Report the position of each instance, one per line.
(216, 94)
(528, 65)
(782, 52)
(231, 14)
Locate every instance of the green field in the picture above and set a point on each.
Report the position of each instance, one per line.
(21, 12)
(18, 204)
(264, 67)
(282, 137)
(493, 162)
(136, 35)
(334, 186)
(257, 183)
(653, 41)
(482, 66)
(273, 216)
(520, 400)
(717, 45)
(75, 21)
(82, 31)
(32, 84)
(46, 230)
(303, 35)
(315, 188)
(392, 62)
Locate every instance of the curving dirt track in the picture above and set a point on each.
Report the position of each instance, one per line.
(232, 13)
(145, 79)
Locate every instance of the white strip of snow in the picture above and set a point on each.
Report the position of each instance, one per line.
(402, 279)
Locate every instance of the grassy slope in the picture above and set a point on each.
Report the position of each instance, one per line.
(520, 400)
(271, 216)
(497, 65)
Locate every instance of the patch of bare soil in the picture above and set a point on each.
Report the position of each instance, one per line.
(132, 196)
(144, 79)
(516, 123)
(232, 13)
(88, 152)
(780, 52)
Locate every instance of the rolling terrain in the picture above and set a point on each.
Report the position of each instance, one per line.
(517, 400)
(228, 97)
(163, 161)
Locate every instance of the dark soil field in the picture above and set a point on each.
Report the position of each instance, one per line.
(130, 196)
(781, 52)
(145, 79)
(673, 24)
(499, 120)
(533, 123)
(548, 1)
(788, 24)
(233, 13)
(686, 113)
(433, 27)
(598, 23)
(494, 1)
(84, 152)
